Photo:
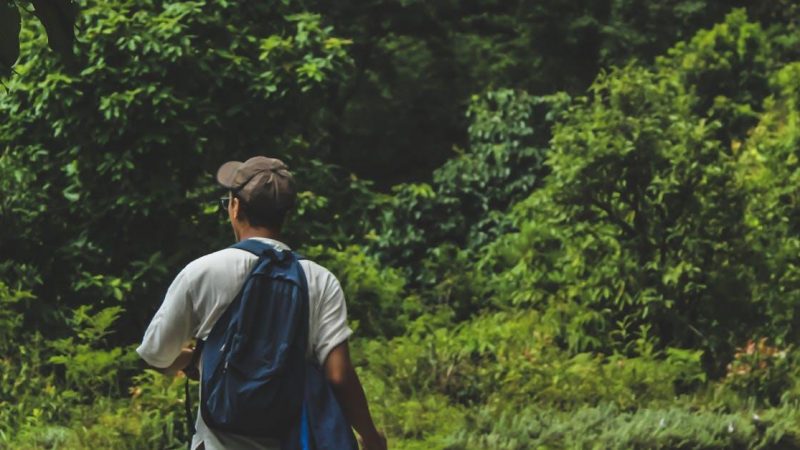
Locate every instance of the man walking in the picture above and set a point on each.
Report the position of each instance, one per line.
(261, 193)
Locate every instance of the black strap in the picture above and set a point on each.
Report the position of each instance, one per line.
(192, 370)
(187, 402)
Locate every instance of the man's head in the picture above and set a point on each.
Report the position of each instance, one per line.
(262, 193)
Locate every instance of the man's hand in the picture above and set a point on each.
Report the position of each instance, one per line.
(343, 378)
(180, 362)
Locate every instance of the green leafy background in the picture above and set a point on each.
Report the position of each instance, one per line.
(558, 224)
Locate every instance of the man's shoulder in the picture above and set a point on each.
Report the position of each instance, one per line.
(220, 260)
(230, 261)
(314, 268)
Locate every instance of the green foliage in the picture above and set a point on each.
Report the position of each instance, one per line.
(584, 272)
(419, 62)
(10, 313)
(496, 358)
(768, 169)
(21, 379)
(728, 67)
(338, 216)
(639, 226)
(761, 371)
(88, 367)
(66, 393)
(469, 193)
(730, 59)
(607, 427)
(376, 300)
(81, 139)
(451, 283)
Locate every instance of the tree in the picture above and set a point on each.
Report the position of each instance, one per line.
(107, 186)
(769, 170)
(638, 231)
(57, 16)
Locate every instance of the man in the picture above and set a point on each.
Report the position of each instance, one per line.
(261, 193)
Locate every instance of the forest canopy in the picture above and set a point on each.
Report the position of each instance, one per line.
(557, 224)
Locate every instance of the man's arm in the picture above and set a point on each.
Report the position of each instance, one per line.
(179, 364)
(164, 343)
(340, 373)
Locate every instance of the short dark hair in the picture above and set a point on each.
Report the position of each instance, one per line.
(271, 218)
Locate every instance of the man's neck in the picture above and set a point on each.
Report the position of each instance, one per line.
(259, 232)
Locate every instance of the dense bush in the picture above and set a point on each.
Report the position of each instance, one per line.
(376, 301)
(67, 393)
(639, 228)
(466, 201)
(768, 170)
(610, 268)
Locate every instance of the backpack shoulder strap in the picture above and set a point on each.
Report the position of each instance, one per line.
(253, 246)
(258, 248)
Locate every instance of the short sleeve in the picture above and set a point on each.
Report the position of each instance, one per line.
(172, 327)
(332, 327)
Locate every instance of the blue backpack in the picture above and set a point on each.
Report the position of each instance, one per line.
(254, 358)
(256, 380)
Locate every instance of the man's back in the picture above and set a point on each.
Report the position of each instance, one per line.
(200, 294)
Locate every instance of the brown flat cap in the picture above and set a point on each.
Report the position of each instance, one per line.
(262, 182)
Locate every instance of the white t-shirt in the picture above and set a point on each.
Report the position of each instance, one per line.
(200, 294)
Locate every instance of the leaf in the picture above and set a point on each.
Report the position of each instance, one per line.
(71, 194)
(9, 36)
(58, 18)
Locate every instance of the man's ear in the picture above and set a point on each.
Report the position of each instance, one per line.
(234, 208)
